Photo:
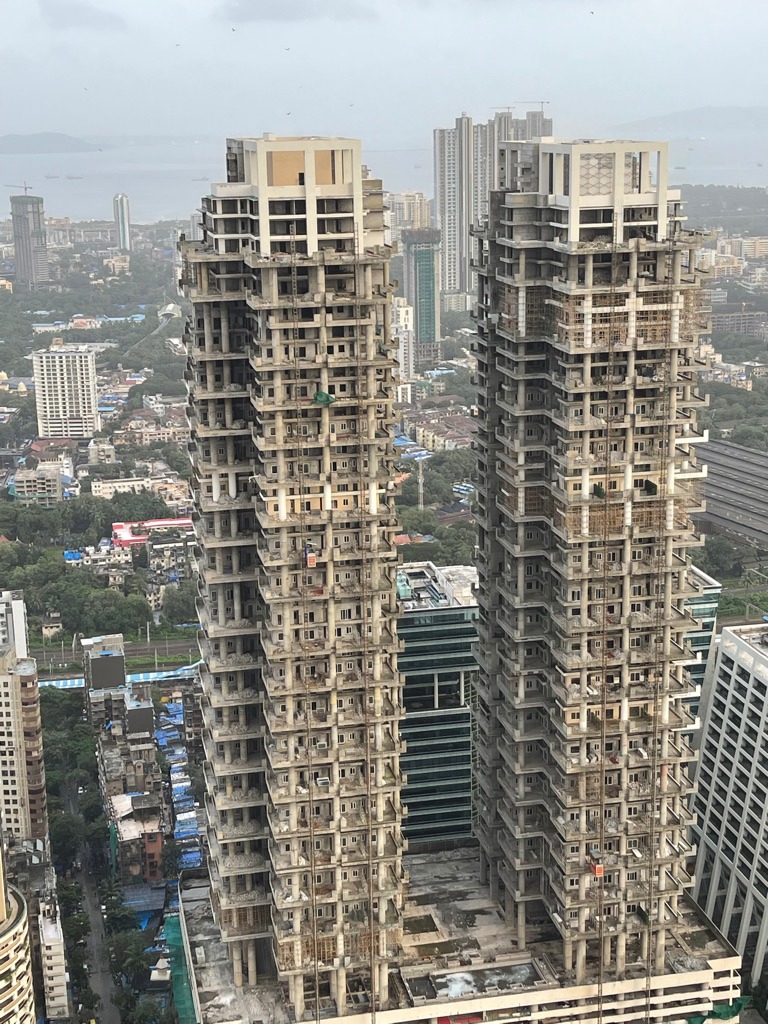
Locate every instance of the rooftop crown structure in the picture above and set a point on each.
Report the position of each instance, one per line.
(291, 406)
(587, 326)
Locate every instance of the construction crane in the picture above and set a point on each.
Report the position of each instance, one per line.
(539, 103)
(26, 188)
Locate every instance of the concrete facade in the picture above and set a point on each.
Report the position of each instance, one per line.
(407, 211)
(587, 324)
(122, 211)
(466, 170)
(732, 799)
(29, 241)
(65, 392)
(421, 259)
(17, 1004)
(291, 406)
(24, 806)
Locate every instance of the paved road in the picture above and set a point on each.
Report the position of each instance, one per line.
(98, 954)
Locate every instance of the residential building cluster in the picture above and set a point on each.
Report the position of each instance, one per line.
(38, 252)
(48, 471)
(152, 426)
(168, 544)
(131, 735)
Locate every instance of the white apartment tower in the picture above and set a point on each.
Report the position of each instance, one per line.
(407, 210)
(291, 406)
(65, 392)
(122, 212)
(466, 170)
(588, 323)
(732, 799)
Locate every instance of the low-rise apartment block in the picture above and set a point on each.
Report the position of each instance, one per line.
(752, 322)
(41, 486)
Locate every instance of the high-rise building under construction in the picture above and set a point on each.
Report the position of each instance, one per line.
(291, 390)
(588, 324)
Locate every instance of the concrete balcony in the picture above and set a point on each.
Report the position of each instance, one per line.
(234, 697)
(222, 662)
(235, 765)
(224, 502)
(235, 730)
(231, 900)
(238, 863)
(215, 628)
(228, 797)
(239, 831)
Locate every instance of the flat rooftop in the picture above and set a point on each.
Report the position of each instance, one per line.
(456, 945)
(424, 585)
(754, 636)
(50, 929)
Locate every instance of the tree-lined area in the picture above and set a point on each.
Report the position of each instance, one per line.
(32, 560)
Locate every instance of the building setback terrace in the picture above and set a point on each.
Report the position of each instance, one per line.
(459, 957)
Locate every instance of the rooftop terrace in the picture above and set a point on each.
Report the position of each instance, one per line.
(425, 585)
(456, 949)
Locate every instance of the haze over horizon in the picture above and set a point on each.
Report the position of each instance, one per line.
(223, 67)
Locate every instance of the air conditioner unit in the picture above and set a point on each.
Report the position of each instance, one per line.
(323, 782)
(321, 745)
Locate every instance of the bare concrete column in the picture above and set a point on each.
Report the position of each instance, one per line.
(661, 943)
(252, 977)
(581, 961)
(296, 994)
(621, 953)
(237, 964)
(483, 867)
(383, 986)
(493, 880)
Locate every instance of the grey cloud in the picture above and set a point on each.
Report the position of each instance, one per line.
(79, 14)
(297, 10)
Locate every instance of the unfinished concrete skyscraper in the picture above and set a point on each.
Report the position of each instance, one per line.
(587, 326)
(291, 406)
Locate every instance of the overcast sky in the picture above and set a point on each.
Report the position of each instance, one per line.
(387, 72)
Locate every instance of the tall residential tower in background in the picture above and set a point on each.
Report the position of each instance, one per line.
(29, 241)
(465, 171)
(421, 264)
(291, 403)
(588, 320)
(122, 211)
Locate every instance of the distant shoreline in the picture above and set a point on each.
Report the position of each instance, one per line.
(43, 143)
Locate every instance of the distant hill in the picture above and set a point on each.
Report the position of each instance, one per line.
(698, 122)
(43, 142)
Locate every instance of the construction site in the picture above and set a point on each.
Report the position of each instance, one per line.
(292, 417)
(574, 907)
